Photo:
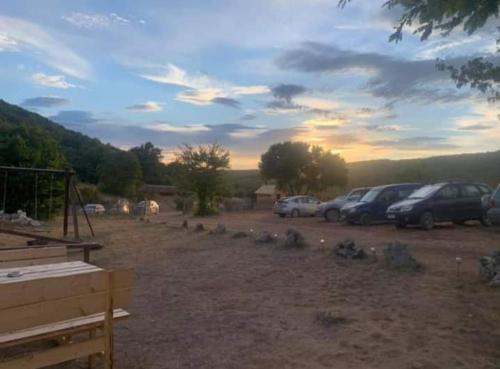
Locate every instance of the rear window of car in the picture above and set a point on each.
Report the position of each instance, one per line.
(470, 191)
(484, 189)
(497, 194)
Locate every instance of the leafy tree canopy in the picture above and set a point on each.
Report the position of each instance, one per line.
(297, 167)
(149, 158)
(120, 174)
(444, 16)
(201, 170)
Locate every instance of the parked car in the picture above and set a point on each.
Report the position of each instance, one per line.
(147, 207)
(493, 211)
(296, 206)
(373, 205)
(94, 209)
(331, 210)
(457, 202)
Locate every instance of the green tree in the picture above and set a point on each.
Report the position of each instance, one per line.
(153, 170)
(201, 170)
(120, 174)
(297, 167)
(444, 16)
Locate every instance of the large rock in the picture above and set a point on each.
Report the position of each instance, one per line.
(347, 249)
(220, 228)
(489, 268)
(294, 239)
(264, 237)
(398, 257)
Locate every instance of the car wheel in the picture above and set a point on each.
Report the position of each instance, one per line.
(332, 215)
(365, 219)
(295, 213)
(282, 215)
(427, 221)
(485, 220)
(400, 225)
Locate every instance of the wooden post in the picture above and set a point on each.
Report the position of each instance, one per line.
(108, 325)
(67, 177)
(76, 231)
(92, 335)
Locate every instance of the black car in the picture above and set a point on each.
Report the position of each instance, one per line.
(457, 202)
(373, 205)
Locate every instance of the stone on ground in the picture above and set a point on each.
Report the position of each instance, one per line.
(199, 228)
(185, 224)
(347, 249)
(398, 257)
(294, 239)
(264, 237)
(240, 235)
(489, 268)
(220, 228)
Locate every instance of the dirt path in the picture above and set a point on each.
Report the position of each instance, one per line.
(207, 301)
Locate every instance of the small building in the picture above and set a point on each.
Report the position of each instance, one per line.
(266, 196)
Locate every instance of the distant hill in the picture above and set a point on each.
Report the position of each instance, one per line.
(481, 167)
(81, 152)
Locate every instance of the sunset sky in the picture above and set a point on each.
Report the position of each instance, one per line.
(245, 74)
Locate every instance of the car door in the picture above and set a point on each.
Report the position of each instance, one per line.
(446, 203)
(383, 201)
(471, 201)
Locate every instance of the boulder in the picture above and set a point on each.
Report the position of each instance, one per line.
(294, 239)
(489, 268)
(398, 257)
(347, 249)
(220, 228)
(264, 237)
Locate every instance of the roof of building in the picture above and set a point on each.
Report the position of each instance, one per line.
(266, 190)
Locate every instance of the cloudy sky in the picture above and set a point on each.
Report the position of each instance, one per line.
(244, 74)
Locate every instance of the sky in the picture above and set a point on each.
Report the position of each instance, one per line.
(245, 74)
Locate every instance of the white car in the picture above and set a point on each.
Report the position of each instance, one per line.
(94, 209)
(297, 206)
(147, 207)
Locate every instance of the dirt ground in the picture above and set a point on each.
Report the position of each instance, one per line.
(210, 301)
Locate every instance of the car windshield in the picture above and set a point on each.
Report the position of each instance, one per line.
(356, 195)
(371, 195)
(426, 191)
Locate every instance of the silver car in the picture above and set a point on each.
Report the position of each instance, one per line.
(296, 206)
(494, 207)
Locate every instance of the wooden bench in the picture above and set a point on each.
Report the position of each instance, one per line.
(54, 301)
(32, 256)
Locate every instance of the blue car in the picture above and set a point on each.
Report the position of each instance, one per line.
(455, 202)
(373, 205)
(331, 210)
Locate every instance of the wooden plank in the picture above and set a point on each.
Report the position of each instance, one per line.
(32, 253)
(36, 236)
(31, 262)
(56, 355)
(53, 311)
(47, 331)
(52, 288)
(45, 271)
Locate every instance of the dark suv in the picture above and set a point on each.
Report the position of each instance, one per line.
(457, 202)
(374, 203)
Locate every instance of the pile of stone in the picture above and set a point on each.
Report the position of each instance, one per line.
(264, 237)
(220, 228)
(398, 257)
(294, 239)
(19, 218)
(347, 249)
(489, 268)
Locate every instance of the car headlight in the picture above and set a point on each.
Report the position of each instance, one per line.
(406, 208)
(353, 211)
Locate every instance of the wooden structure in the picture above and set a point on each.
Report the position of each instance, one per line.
(266, 196)
(32, 256)
(73, 302)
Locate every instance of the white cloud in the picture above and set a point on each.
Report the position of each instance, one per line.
(6, 43)
(147, 107)
(201, 89)
(55, 81)
(47, 49)
(167, 127)
(247, 133)
(95, 20)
